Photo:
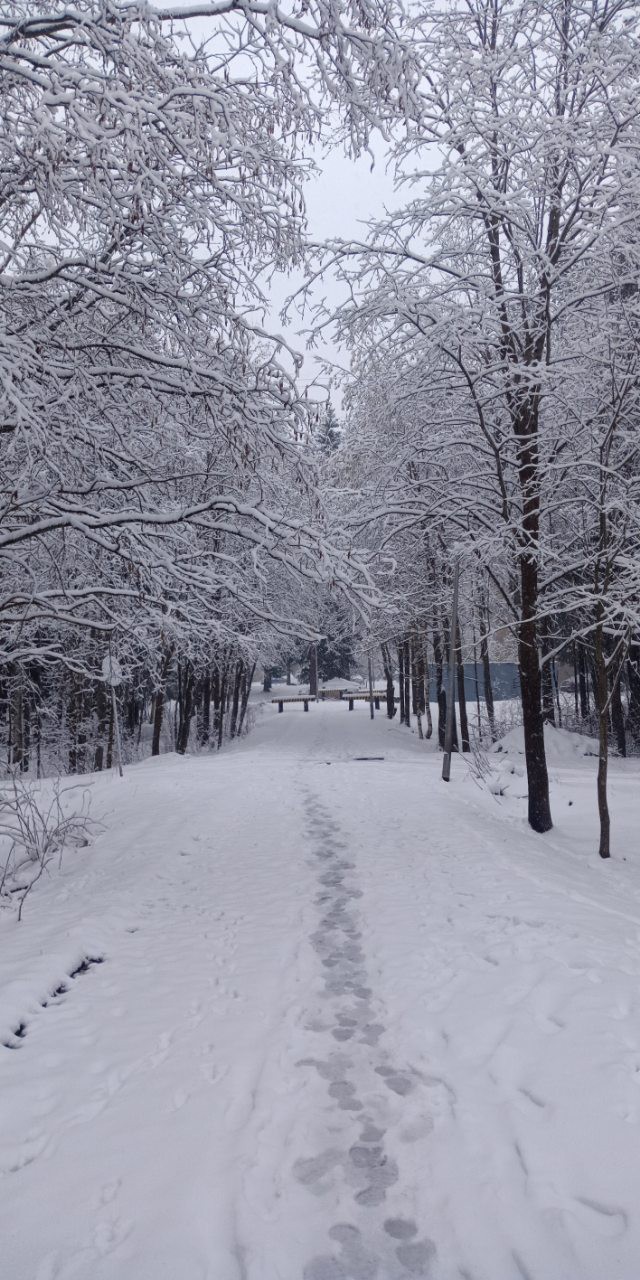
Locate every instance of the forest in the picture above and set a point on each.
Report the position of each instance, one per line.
(297, 527)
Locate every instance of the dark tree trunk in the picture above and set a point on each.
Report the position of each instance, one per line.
(313, 671)
(530, 683)
(158, 702)
(205, 719)
(486, 672)
(388, 675)
(556, 691)
(417, 679)
(244, 701)
(546, 678)
(235, 705)
(462, 697)
(633, 680)
(582, 683)
(185, 707)
(102, 719)
(401, 685)
(440, 691)
(576, 704)
(221, 708)
(601, 692)
(525, 422)
(267, 682)
(19, 726)
(407, 683)
(476, 680)
(110, 735)
(73, 724)
(617, 710)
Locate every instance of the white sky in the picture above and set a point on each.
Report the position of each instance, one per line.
(340, 201)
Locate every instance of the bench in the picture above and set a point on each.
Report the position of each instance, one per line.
(366, 697)
(281, 702)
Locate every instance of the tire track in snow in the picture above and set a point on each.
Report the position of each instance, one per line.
(355, 1068)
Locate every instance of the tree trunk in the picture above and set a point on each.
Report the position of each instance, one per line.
(582, 683)
(221, 708)
(110, 735)
(186, 687)
(205, 721)
(548, 707)
(476, 679)
(407, 683)
(462, 697)
(246, 691)
(601, 690)
(486, 672)
(102, 718)
(158, 707)
(388, 675)
(617, 710)
(440, 691)
(401, 686)
(313, 671)
(417, 676)
(531, 690)
(633, 678)
(235, 704)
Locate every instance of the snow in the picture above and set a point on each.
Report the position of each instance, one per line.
(561, 746)
(350, 1022)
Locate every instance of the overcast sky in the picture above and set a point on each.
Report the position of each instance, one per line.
(340, 200)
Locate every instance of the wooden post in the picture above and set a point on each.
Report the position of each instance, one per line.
(351, 704)
(280, 708)
(451, 696)
(306, 704)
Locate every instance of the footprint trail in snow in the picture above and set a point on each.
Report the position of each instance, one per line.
(377, 1242)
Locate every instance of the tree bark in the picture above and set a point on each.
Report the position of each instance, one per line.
(582, 683)
(633, 679)
(388, 675)
(440, 690)
(601, 688)
(617, 710)
(187, 683)
(486, 672)
(205, 720)
(158, 707)
(401, 681)
(462, 697)
(313, 671)
(539, 809)
(407, 682)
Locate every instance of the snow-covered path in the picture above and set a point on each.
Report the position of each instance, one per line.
(348, 1023)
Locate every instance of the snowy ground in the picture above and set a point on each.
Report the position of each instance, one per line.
(349, 1023)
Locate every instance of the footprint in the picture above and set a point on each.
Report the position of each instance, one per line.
(399, 1084)
(311, 1170)
(325, 1268)
(400, 1228)
(417, 1256)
